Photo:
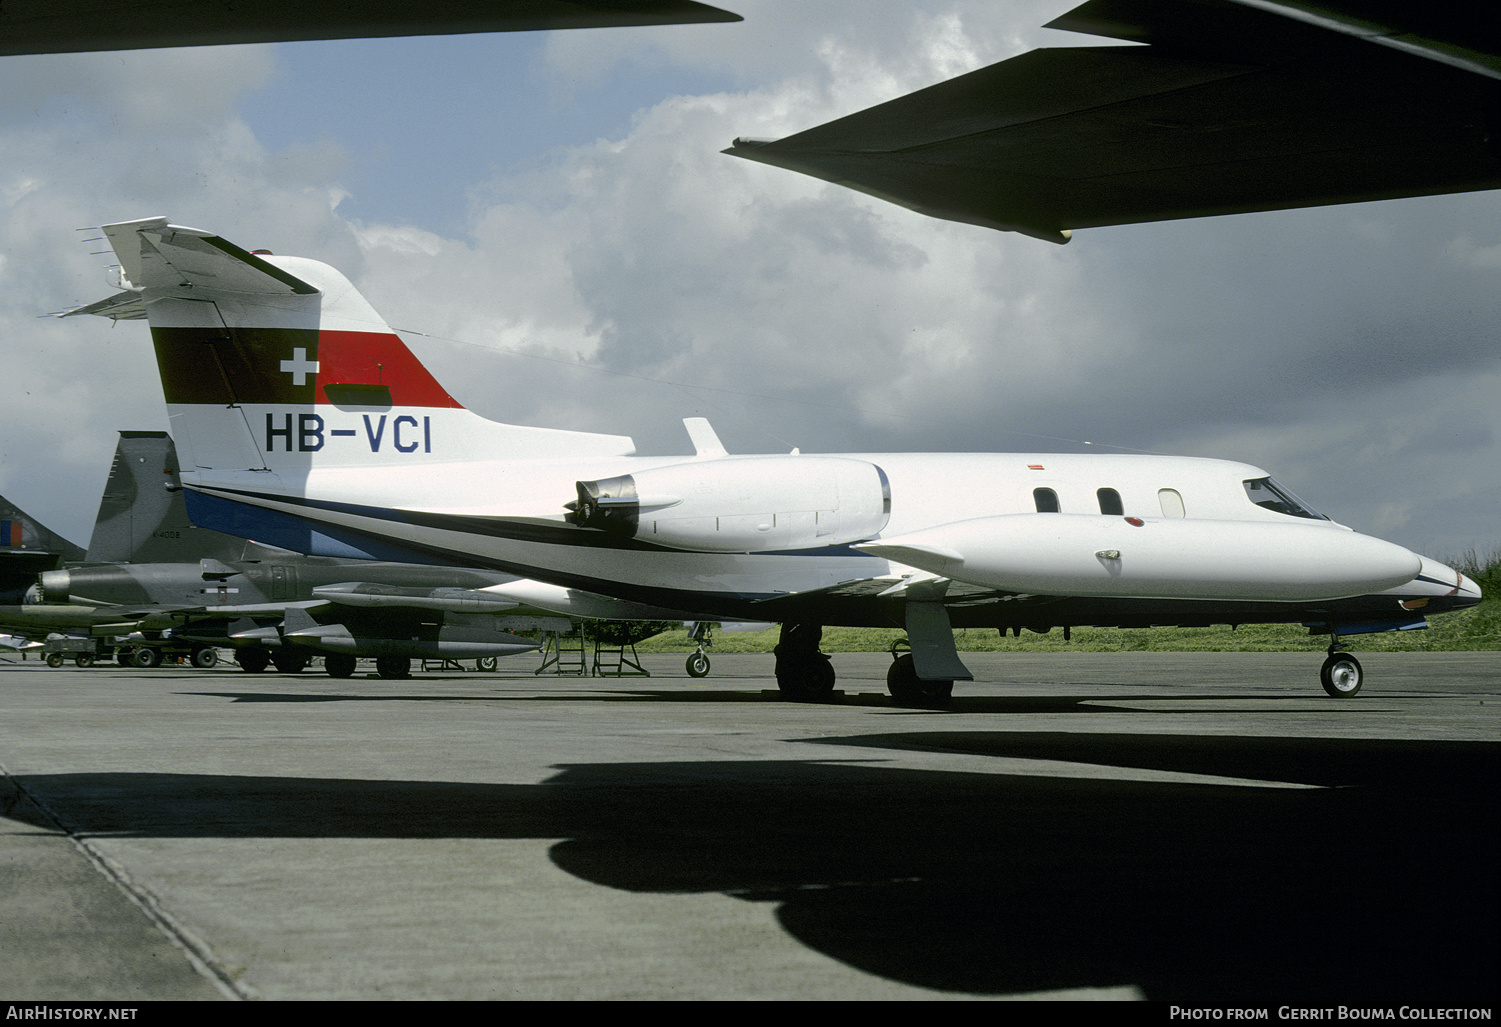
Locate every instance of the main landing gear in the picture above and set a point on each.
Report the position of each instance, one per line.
(252, 659)
(803, 673)
(906, 688)
(393, 668)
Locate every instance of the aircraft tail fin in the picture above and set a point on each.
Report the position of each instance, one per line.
(27, 548)
(20, 531)
(142, 516)
(278, 364)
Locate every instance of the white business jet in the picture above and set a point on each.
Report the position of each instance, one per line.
(304, 422)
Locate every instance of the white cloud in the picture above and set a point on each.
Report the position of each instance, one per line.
(1466, 252)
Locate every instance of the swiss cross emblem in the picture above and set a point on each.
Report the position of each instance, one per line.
(299, 366)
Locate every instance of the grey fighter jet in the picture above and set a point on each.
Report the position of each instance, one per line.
(161, 585)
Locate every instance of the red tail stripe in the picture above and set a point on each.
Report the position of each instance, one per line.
(367, 358)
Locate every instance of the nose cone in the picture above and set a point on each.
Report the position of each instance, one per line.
(1468, 593)
(1439, 587)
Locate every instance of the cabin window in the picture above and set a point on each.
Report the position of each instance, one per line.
(1266, 493)
(1172, 502)
(1110, 502)
(1046, 500)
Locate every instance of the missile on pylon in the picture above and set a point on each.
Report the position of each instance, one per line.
(450, 643)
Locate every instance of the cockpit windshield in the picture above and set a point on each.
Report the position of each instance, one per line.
(1265, 492)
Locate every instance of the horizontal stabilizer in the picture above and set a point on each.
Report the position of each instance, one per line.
(154, 254)
(123, 306)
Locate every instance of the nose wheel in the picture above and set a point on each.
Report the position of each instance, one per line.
(1341, 675)
(698, 663)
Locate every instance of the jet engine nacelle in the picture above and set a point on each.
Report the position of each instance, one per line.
(1128, 557)
(102, 583)
(741, 504)
(54, 586)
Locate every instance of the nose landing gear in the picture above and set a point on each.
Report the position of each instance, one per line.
(1341, 674)
(698, 663)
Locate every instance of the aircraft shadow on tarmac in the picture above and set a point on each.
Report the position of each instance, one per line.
(587, 696)
(1101, 701)
(1376, 887)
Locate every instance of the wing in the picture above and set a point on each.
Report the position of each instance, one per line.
(39, 619)
(1231, 108)
(883, 600)
(68, 26)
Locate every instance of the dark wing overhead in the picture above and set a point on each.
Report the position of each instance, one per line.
(1231, 107)
(68, 26)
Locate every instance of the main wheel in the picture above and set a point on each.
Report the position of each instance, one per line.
(807, 680)
(910, 690)
(1341, 675)
(205, 657)
(290, 663)
(339, 665)
(698, 665)
(483, 663)
(252, 661)
(393, 666)
(146, 657)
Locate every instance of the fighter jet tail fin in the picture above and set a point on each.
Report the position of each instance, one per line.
(27, 549)
(142, 517)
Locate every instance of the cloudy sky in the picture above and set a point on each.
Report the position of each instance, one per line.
(551, 212)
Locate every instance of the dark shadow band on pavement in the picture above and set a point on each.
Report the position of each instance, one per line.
(1376, 886)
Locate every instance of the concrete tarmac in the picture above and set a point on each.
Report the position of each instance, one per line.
(1194, 828)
